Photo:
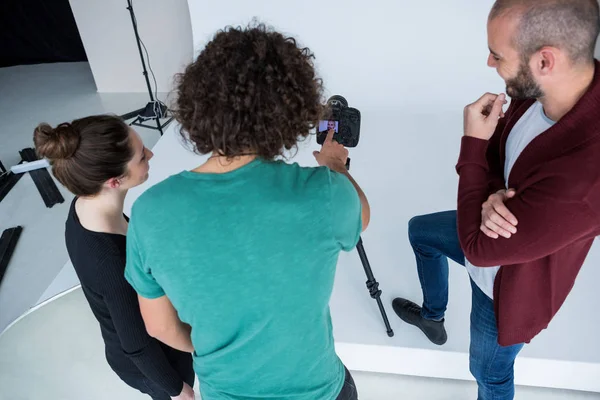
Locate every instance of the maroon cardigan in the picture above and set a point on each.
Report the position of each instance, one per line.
(557, 204)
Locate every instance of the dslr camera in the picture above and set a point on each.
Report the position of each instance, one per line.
(344, 120)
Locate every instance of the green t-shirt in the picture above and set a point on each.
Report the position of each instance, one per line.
(248, 259)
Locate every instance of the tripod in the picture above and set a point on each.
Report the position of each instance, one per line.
(372, 283)
(155, 109)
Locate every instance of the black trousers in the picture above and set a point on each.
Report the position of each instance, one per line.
(183, 365)
(348, 391)
(148, 387)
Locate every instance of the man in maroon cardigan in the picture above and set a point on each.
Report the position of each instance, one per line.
(522, 247)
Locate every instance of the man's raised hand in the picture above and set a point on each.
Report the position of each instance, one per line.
(481, 117)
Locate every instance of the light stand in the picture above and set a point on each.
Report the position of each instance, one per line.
(372, 283)
(155, 109)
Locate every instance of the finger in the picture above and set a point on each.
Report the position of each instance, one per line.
(505, 213)
(493, 227)
(503, 223)
(329, 137)
(500, 202)
(488, 232)
(486, 99)
(497, 107)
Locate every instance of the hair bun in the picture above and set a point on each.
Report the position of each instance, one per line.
(56, 144)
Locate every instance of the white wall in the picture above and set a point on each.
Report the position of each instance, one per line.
(107, 34)
(395, 54)
(444, 46)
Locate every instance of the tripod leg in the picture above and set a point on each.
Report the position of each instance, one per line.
(159, 126)
(373, 286)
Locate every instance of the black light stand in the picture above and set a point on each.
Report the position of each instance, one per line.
(372, 283)
(155, 109)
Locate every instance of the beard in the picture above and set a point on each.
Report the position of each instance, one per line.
(523, 86)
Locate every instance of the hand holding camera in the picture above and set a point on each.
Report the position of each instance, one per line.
(332, 155)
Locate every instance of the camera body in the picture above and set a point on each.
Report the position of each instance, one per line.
(343, 119)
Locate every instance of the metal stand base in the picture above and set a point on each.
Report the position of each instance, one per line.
(149, 112)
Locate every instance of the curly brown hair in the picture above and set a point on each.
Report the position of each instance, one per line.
(250, 91)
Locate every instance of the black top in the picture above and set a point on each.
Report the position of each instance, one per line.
(99, 261)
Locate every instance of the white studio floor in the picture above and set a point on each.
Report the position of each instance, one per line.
(56, 354)
(58, 346)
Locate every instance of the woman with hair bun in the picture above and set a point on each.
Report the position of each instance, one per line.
(98, 159)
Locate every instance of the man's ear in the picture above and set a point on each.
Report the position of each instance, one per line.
(546, 60)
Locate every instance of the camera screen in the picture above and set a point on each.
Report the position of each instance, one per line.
(325, 125)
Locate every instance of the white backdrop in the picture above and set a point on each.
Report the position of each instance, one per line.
(384, 53)
(107, 35)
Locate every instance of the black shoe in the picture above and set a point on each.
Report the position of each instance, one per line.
(410, 313)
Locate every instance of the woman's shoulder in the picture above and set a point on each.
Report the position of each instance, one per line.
(96, 255)
(89, 247)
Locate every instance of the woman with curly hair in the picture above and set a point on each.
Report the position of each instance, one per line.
(235, 260)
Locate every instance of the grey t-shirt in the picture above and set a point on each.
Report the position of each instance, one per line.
(533, 123)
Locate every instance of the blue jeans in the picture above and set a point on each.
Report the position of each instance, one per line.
(434, 239)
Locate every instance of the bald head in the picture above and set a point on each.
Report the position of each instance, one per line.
(569, 25)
